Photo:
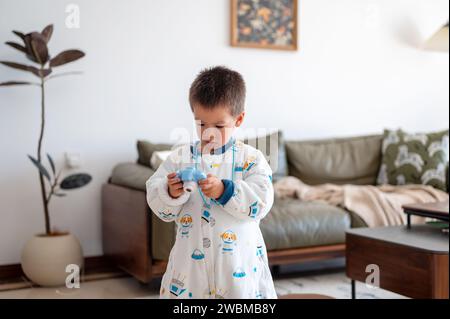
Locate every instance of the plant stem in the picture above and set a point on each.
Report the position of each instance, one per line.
(53, 187)
(41, 177)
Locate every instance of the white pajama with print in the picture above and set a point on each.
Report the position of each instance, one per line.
(219, 251)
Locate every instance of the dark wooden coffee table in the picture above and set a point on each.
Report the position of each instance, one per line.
(412, 261)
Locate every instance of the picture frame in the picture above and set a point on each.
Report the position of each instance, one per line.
(264, 24)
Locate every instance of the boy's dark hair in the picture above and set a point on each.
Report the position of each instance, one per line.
(218, 86)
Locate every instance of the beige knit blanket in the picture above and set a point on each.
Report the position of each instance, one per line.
(376, 205)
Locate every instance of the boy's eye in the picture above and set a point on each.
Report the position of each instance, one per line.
(217, 126)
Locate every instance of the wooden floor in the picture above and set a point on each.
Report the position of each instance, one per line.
(320, 278)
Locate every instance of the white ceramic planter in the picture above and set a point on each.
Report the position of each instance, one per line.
(45, 258)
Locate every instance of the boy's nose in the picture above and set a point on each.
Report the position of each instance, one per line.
(208, 136)
(210, 132)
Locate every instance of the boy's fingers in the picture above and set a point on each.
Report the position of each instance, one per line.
(205, 186)
(208, 179)
(173, 181)
(177, 186)
(177, 191)
(205, 191)
(211, 178)
(171, 175)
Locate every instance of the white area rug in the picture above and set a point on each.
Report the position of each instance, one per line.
(335, 285)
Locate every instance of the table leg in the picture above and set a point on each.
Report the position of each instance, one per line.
(408, 219)
(276, 270)
(353, 284)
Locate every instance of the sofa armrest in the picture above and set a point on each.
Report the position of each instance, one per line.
(131, 175)
(130, 179)
(126, 230)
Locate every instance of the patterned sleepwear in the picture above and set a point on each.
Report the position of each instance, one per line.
(219, 251)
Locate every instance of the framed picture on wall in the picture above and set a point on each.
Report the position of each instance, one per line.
(265, 24)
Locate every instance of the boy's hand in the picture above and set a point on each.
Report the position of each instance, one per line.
(212, 186)
(175, 185)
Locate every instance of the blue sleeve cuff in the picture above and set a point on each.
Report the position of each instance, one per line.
(227, 192)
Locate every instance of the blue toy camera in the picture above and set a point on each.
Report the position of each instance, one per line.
(190, 177)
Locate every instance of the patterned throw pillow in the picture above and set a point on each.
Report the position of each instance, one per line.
(414, 159)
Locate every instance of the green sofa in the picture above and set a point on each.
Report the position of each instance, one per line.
(294, 231)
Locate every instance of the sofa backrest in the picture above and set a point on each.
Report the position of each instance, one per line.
(353, 160)
(271, 145)
(273, 149)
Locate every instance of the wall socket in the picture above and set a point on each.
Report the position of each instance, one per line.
(73, 159)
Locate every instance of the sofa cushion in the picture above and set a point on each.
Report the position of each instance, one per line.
(293, 224)
(272, 147)
(145, 151)
(354, 160)
(290, 224)
(131, 175)
(414, 159)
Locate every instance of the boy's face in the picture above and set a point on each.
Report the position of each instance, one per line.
(215, 126)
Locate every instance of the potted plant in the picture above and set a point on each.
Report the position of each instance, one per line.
(46, 255)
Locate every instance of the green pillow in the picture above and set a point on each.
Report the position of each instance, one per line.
(146, 149)
(414, 159)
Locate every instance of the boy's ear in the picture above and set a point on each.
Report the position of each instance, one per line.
(240, 119)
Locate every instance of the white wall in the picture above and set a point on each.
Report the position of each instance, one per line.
(358, 70)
